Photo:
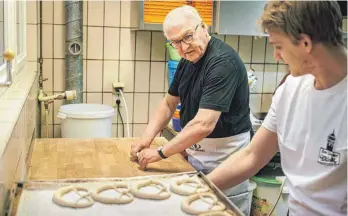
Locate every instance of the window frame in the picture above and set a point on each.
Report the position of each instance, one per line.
(10, 37)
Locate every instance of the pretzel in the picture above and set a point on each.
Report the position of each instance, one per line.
(160, 195)
(219, 206)
(118, 200)
(58, 197)
(195, 183)
(217, 213)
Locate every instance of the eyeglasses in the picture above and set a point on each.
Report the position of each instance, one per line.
(187, 39)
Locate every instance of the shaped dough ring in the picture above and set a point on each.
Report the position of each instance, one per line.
(217, 213)
(219, 206)
(57, 197)
(160, 195)
(198, 186)
(117, 200)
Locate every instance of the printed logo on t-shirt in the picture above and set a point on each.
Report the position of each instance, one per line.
(197, 147)
(326, 155)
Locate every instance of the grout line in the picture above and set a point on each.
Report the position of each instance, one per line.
(52, 104)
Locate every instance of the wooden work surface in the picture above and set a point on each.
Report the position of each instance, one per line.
(94, 158)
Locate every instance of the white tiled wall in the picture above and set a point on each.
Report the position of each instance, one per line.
(114, 51)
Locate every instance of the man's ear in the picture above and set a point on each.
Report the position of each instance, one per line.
(306, 43)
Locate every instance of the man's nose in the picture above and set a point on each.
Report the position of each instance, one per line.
(184, 46)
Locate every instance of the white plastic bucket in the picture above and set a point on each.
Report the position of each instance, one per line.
(266, 194)
(86, 120)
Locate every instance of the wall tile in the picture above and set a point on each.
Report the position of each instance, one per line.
(138, 129)
(32, 12)
(120, 130)
(59, 12)
(110, 100)
(59, 75)
(94, 98)
(85, 36)
(47, 31)
(129, 14)
(259, 71)
(112, 13)
(270, 78)
(127, 46)
(32, 42)
(142, 76)
(127, 75)
(94, 75)
(85, 14)
(56, 106)
(84, 75)
(47, 70)
(157, 77)
(110, 74)
(114, 130)
(47, 12)
(59, 38)
(232, 40)
(143, 45)
(158, 46)
(129, 97)
(155, 100)
(258, 52)
(266, 102)
(141, 104)
(245, 48)
(95, 43)
(95, 13)
(255, 102)
(57, 131)
(111, 43)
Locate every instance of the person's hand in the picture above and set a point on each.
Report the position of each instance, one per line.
(139, 145)
(147, 156)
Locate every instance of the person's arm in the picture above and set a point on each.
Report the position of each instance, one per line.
(162, 116)
(246, 162)
(196, 130)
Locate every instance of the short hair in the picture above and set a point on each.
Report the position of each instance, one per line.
(180, 15)
(320, 20)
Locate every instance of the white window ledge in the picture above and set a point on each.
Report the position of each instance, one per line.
(12, 99)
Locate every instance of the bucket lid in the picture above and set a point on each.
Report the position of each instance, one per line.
(86, 111)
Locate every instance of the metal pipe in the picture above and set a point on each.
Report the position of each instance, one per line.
(40, 60)
(74, 54)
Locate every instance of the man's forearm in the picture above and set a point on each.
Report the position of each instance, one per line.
(191, 134)
(161, 118)
(246, 162)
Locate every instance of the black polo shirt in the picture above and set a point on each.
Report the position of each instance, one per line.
(218, 81)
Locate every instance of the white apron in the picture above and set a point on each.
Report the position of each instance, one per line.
(211, 152)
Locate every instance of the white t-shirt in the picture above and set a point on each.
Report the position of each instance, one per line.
(312, 135)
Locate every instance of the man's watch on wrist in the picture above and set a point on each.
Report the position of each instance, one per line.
(159, 150)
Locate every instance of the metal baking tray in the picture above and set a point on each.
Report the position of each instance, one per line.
(31, 198)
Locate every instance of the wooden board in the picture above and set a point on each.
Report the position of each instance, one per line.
(95, 158)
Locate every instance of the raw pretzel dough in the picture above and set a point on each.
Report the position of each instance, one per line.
(217, 213)
(162, 194)
(118, 200)
(195, 183)
(58, 197)
(219, 206)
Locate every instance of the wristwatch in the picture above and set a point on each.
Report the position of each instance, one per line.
(159, 150)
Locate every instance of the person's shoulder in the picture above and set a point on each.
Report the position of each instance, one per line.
(303, 81)
(221, 49)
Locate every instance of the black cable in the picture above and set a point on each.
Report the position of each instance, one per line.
(118, 102)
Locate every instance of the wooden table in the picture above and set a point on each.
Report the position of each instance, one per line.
(62, 158)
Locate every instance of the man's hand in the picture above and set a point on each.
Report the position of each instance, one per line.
(147, 156)
(139, 145)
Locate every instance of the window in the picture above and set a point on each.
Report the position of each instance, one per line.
(12, 34)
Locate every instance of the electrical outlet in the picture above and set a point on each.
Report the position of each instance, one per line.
(117, 86)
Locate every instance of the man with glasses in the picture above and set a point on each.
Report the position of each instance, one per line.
(212, 85)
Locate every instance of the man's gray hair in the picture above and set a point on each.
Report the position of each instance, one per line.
(180, 16)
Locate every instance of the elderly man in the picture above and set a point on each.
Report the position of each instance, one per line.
(212, 85)
(307, 120)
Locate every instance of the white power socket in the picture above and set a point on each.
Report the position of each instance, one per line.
(116, 86)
